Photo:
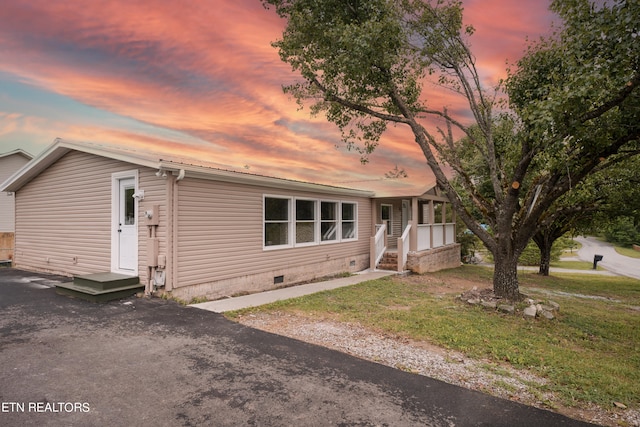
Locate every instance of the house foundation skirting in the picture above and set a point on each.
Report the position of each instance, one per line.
(434, 259)
(275, 279)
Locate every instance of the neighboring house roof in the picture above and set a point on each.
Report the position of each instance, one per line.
(168, 163)
(18, 152)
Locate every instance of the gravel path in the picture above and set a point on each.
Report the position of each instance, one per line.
(435, 362)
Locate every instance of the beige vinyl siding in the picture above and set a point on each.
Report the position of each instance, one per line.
(63, 222)
(9, 165)
(220, 233)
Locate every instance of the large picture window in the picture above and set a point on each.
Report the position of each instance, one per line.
(290, 222)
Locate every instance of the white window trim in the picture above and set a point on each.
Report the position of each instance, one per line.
(337, 230)
(316, 222)
(292, 221)
(355, 221)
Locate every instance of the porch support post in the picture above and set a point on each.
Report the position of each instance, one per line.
(413, 241)
(444, 223)
(372, 252)
(374, 216)
(454, 218)
(432, 217)
(372, 244)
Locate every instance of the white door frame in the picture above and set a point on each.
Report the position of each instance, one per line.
(116, 177)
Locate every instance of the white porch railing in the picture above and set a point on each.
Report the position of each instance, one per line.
(378, 245)
(403, 248)
(449, 234)
(424, 237)
(435, 235)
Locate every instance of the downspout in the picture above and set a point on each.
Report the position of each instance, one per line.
(174, 229)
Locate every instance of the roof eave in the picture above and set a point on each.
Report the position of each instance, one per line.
(56, 151)
(194, 171)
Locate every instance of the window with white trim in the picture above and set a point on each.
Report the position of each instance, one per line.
(329, 221)
(276, 221)
(290, 222)
(305, 221)
(348, 224)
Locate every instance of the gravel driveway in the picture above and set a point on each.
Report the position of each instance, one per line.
(151, 362)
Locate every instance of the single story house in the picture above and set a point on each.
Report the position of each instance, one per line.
(196, 230)
(9, 163)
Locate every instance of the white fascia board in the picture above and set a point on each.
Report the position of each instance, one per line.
(58, 149)
(17, 151)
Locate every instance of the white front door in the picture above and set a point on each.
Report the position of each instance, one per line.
(127, 228)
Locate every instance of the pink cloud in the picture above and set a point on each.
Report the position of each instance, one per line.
(207, 70)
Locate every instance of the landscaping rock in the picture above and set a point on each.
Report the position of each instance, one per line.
(547, 315)
(554, 305)
(473, 301)
(489, 304)
(505, 308)
(530, 311)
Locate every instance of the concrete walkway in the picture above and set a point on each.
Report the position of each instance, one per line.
(261, 298)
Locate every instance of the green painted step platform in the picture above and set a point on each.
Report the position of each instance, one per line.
(101, 287)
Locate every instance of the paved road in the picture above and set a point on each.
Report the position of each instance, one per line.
(612, 261)
(151, 362)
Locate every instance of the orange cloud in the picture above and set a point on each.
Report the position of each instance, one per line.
(201, 78)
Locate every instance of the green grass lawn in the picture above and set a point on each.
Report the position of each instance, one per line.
(575, 265)
(590, 353)
(630, 252)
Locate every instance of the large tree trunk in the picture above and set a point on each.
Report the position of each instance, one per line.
(505, 276)
(544, 243)
(545, 261)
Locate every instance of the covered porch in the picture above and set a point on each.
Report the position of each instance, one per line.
(416, 233)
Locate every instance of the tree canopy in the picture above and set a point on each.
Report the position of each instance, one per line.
(573, 101)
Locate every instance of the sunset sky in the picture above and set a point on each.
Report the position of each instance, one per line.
(200, 78)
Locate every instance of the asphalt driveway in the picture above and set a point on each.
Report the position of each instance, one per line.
(612, 260)
(151, 362)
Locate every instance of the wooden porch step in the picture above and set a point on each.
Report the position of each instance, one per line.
(389, 261)
(105, 281)
(101, 287)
